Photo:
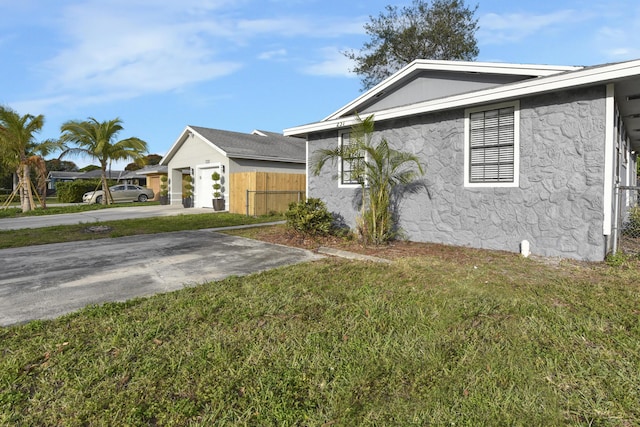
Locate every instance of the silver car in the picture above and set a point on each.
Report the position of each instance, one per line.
(120, 193)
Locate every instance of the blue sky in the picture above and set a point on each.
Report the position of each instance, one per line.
(240, 65)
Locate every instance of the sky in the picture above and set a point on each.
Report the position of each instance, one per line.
(240, 65)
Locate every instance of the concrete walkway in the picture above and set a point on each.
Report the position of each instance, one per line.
(110, 214)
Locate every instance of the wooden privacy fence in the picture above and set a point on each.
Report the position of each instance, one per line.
(261, 193)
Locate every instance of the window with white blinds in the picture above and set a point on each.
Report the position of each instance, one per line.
(491, 146)
(351, 163)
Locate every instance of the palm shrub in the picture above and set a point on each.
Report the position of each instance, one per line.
(20, 152)
(96, 140)
(380, 173)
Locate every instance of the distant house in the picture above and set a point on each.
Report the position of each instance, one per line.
(512, 152)
(152, 176)
(134, 177)
(199, 151)
(54, 177)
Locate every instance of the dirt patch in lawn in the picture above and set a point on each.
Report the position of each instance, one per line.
(393, 250)
(406, 249)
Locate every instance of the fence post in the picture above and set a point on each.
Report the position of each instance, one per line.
(247, 202)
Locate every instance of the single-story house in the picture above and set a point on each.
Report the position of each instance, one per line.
(55, 177)
(200, 151)
(148, 176)
(513, 153)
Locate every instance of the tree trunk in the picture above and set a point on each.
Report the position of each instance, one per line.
(106, 194)
(26, 196)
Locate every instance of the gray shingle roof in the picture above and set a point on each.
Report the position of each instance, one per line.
(273, 146)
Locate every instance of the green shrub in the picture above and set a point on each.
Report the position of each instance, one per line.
(71, 192)
(310, 217)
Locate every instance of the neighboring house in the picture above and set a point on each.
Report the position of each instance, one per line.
(200, 151)
(152, 174)
(54, 177)
(59, 176)
(512, 152)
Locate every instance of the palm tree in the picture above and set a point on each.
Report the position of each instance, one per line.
(20, 151)
(380, 171)
(95, 139)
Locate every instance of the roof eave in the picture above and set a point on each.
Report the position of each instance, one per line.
(457, 66)
(581, 77)
(182, 139)
(266, 158)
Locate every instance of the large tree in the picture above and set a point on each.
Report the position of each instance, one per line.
(442, 29)
(148, 160)
(61, 165)
(96, 140)
(22, 153)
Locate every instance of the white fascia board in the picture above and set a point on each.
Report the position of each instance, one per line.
(182, 139)
(581, 77)
(455, 66)
(266, 158)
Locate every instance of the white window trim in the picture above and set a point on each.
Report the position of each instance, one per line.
(516, 145)
(340, 183)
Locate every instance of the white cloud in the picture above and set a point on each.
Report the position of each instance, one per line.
(512, 27)
(273, 54)
(128, 48)
(335, 64)
(621, 42)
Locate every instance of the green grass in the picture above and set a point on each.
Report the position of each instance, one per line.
(485, 339)
(128, 227)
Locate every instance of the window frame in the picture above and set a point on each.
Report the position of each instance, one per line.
(516, 145)
(341, 183)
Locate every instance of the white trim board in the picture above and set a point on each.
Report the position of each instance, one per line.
(583, 77)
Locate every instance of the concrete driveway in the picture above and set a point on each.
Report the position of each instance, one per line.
(43, 282)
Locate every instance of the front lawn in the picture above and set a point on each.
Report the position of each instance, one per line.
(126, 227)
(459, 337)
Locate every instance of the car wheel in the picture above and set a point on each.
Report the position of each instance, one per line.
(143, 198)
(99, 200)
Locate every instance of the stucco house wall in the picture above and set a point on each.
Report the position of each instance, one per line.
(557, 207)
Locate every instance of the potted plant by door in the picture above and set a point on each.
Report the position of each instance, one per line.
(164, 190)
(218, 201)
(187, 191)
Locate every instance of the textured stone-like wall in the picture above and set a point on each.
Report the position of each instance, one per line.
(558, 205)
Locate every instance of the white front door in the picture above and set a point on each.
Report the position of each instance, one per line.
(204, 185)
